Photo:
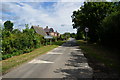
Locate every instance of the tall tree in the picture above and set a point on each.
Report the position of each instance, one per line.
(91, 15)
(111, 30)
(8, 25)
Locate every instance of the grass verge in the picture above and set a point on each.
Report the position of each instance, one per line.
(101, 59)
(13, 62)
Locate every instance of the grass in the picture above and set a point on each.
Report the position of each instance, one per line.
(15, 61)
(101, 54)
(58, 43)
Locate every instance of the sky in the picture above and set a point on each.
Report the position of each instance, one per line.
(55, 14)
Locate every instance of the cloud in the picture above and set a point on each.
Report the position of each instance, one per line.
(53, 14)
(59, 0)
(31, 0)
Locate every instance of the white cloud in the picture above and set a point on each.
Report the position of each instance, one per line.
(36, 14)
(1, 22)
(30, 0)
(59, 0)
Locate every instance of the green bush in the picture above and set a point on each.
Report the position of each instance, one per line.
(6, 56)
(58, 43)
(15, 54)
(16, 42)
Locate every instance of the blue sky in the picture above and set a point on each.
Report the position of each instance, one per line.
(52, 14)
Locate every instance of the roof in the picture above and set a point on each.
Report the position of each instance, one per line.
(39, 30)
(51, 30)
(47, 30)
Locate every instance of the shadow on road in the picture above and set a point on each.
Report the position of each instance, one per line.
(76, 66)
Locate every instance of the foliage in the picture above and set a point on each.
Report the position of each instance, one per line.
(16, 42)
(8, 25)
(111, 29)
(59, 43)
(80, 34)
(64, 36)
(11, 63)
(101, 54)
(91, 15)
(73, 35)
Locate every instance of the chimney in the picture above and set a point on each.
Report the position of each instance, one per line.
(46, 26)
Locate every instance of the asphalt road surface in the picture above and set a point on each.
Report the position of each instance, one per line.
(66, 61)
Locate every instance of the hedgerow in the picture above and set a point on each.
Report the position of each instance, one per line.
(16, 42)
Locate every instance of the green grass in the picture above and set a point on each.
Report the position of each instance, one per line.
(101, 54)
(13, 62)
(58, 43)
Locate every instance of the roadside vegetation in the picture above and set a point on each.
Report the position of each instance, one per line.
(16, 42)
(102, 59)
(19, 47)
(11, 63)
(103, 21)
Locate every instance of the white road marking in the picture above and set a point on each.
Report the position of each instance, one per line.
(54, 53)
(81, 54)
(76, 49)
(60, 46)
(39, 61)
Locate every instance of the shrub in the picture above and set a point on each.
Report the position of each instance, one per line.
(16, 42)
(6, 56)
(111, 30)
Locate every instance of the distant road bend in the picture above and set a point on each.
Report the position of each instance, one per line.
(66, 61)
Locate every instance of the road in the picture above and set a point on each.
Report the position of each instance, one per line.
(66, 61)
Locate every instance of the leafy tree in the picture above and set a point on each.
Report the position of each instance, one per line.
(17, 42)
(8, 25)
(16, 31)
(66, 35)
(91, 15)
(73, 35)
(80, 34)
(27, 26)
(111, 30)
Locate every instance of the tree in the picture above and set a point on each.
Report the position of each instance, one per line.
(8, 25)
(73, 35)
(80, 34)
(91, 15)
(16, 31)
(66, 35)
(111, 30)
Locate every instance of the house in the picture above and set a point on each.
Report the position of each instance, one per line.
(50, 32)
(39, 30)
(46, 31)
(56, 34)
